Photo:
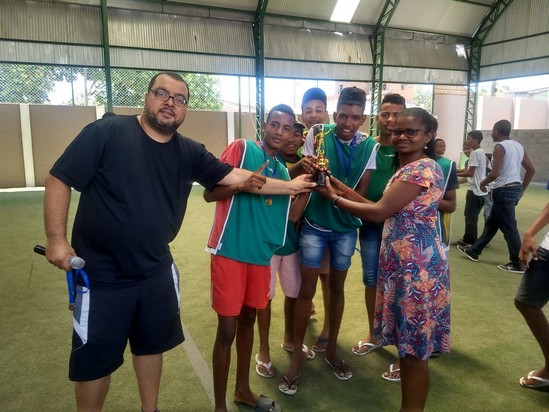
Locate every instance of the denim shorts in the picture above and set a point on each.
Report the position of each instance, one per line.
(314, 242)
(370, 243)
(534, 287)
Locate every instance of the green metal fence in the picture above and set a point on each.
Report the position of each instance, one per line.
(86, 86)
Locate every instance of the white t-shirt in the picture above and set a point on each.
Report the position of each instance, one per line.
(512, 164)
(477, 159)
(545, 242)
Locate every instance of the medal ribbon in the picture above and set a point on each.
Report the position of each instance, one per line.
(268, 200)
(267, 168)
(346, 168)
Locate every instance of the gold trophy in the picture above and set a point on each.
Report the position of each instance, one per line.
(321, 160)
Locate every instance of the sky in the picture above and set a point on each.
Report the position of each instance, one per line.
(281, 90)
(526, 83)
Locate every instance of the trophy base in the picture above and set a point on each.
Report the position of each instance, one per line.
(321, 179)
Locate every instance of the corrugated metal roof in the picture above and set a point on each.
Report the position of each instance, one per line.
(137, 29)
(185, 62)
(60, 23)
(317, 70)
(316, 45)
(421, 35)
(523, 18)
(43, 53)
(441, 16)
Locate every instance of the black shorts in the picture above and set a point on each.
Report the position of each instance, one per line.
(146, 314)
(534, 287)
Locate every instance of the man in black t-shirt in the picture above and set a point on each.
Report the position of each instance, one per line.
(134, 174)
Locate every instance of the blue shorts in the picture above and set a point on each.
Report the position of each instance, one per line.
(534, 286)
(313, 242)
(145, 313)
(370, 243)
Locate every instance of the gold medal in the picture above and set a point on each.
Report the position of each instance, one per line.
(268, 201)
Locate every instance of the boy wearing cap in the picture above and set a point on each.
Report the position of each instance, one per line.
(313, 111)
(351, 156)
(313, 108)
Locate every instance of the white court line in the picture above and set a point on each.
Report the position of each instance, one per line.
(199, 364)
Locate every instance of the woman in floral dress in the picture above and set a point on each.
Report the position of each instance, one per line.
(413, 291)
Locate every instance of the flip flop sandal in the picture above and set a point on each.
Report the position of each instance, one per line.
(289, 387)
(320, 345)
(340, 368)
(387, 375)
(540, 382)
(371, 347)
(261, 366)
(263, 404)
(307, 353)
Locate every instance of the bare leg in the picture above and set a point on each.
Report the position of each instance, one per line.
(537, 322)
(221, 359)
(244, 344)
(370, 296)
(289, 313)
(370, 301)
(309, 279)
(263, 328)
(90, 395)
(148, 370)
(414, 374)
(337, 304)
(325, 283)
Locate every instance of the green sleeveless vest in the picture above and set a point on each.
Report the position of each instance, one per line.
(319, 209)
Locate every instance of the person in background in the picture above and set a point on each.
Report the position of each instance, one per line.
(448, 203)
(507, 188)
(313, 111)
(108, 114)
(240, 270)
(370, 232)
(474, 200)
(130, 209)
(413, 296)
(463, 162)
(440, 147)
(533, 295)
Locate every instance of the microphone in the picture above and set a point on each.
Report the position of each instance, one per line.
(75, 262)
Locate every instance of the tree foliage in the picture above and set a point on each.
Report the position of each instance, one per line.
(32, 84)
(423, 97)
(129, 88)
(20, 83)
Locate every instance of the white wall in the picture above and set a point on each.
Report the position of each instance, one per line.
(450, 113)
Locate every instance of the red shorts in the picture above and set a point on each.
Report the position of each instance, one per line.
(235, 284)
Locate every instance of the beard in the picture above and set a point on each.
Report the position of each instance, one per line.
(165, 128)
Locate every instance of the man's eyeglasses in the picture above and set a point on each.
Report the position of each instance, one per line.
(178, 99)
(406, 132)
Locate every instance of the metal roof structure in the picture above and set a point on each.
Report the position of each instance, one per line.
(425, 41)
(449, 42)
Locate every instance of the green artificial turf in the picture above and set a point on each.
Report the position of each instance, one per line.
(491, 344)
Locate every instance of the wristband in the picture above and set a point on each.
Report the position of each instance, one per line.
(346, 192)
(335, 201)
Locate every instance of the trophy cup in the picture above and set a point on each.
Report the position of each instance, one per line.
(321, 160)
